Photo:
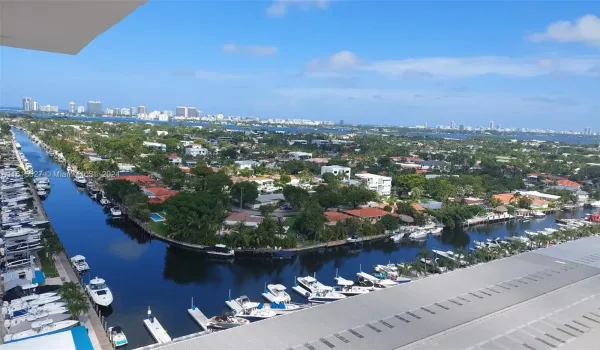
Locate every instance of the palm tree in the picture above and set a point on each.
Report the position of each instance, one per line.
(76, 300)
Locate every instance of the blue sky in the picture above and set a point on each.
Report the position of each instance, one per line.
(526, 63)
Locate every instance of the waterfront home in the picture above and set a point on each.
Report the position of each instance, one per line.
(378, 183)
(158, 194)
(243, 217)
(333, 217)
(510, 198)
(540, 195)
(264, 182)
(565, 185)
(265, 199)
(174, 159)
(368, 214)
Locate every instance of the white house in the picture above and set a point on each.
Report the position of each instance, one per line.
(160, 146)
(299, 155)
(196, 150)
(336, 170)
(162, 132)
(246, 164)
(174, 159)
(380, 184)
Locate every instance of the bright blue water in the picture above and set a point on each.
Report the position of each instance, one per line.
(143, 272)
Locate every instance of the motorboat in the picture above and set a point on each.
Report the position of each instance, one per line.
(115, 212)
(14, 312)
(80, 180)
(349, 289)
(220, 251)
(58, 314)
(226, 322)
(117, 336)
(101, 294)
(538, 214)
(18, 261)
(80, 263)
(255, 312)
(42, 194)
(312, 285)
(386, 268)
(18, 304)
(105, 202)
(31, 297)
(418, 235)
(284, 308)
(372, 281)
(17, 231)
(44, 329)
(354, 239)
(277, 293)
(325, 296)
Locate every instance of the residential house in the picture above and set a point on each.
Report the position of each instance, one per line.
(436, 165)
(566, 185)
(246, 164)
(333, 217)
(157, 145)
(337, 170)
(509, 198)
(265, 199)
(142, 180)
(174, 159)
(246, 218)
(158, 194)
(540, 195)
(196, 150)
(299, 155)
(368, 214)
(378, 183)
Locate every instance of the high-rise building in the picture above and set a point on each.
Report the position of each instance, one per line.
(27, 103)
(587, 130)
(425, 125)
(116, 111)
(452, 125)
(181, 111)
(342, 122)
(49, 108)
(491, 125)
(71, 107)
(192, 112)
(141, 110)
(168, 113)
(94, 107)
(461, 127)
(80, 109)
(34, 106)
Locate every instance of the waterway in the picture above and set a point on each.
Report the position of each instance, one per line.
(143, 272)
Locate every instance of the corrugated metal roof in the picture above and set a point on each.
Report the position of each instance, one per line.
(396, 317)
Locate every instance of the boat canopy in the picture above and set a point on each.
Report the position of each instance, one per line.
(278, 287)
(78, 258)
(116, 329)
(97, 280)
(345, 282)
(310, 279)
(367, 277)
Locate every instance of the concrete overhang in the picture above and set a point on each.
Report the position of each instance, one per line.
(62, 26)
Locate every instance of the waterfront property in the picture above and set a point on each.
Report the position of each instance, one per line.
(156, 217)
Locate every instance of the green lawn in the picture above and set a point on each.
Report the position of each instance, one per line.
(47, 264)
(159, 228)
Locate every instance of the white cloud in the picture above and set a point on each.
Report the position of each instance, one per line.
(254, 50)
(459, 67)
(280, 8)
(210, 75)
(338, 61)
(583, 30)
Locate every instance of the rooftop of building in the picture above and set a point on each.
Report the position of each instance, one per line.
(536, 300)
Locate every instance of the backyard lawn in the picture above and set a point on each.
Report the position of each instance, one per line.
(159, 228)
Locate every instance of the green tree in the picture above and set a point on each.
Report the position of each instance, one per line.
(296, 196)
(390, 222)
(311, 220)
(76, 300)
(246, 190)
(406, 183)
(357, 195)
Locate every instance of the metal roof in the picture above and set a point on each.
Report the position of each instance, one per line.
(467, 308)
(65, 26)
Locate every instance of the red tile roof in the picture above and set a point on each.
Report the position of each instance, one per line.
(567, 183)
(160, 193)
(335, 216)
(173, 156)
(367, 212)
(137, 179)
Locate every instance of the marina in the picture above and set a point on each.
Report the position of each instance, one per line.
(116, 250)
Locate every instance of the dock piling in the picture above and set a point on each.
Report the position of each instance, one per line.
(193, 306)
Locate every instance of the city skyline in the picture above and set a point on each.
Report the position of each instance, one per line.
(526, 64)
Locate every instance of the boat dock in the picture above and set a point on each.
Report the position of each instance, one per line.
(198, 316)
(157, 331)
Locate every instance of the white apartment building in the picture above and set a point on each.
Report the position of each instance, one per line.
(380, 184)
(160, 146)
(336, 170)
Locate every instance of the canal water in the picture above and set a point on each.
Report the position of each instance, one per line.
(143, 272)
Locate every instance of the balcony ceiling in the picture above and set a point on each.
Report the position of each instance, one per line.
(63, 26)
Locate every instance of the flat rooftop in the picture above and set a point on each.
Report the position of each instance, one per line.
(532, 301)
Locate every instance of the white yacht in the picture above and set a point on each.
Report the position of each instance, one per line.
(40, 329)
(538, 214)
(80, 264)
(277, 293)
(220, 251)
(101, 294)
(105, 202)
(418, 235)
(325, 296)
(595, 204)
(80, 180)
(117, 336)
(115, 212)
(372, 281)
(312, 285)
(54, 314)
(255, 312)
(347, 288)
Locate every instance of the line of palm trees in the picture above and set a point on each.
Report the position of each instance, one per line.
(418, 268)
(75, 298)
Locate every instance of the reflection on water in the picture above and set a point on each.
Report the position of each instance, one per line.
(142, 272)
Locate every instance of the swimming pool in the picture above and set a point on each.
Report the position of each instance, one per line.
(156, 217)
